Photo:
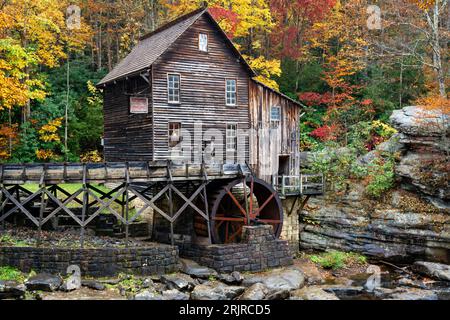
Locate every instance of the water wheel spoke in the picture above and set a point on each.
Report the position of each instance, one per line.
(270, 221)
(222, 218)
(239, 230)
(264, 204)
(233, 207)
(236, 202)
(219, 224)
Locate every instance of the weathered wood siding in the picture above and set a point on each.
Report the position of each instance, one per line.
(202, 94)
(127, 137)
(271, 142)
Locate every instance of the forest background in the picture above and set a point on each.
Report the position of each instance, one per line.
(349, 62)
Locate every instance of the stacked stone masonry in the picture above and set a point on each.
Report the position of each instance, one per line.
(259, 250)
(99, 262)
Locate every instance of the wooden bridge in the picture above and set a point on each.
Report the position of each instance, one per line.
(223, 197)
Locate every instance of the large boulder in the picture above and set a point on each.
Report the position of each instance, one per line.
(148, 295)
(257, 291)
(43, 282)
(414, 294)
(437, 271)
(216, 291)
(181, 282)
(425, 135)
(312, 293)
(11, 289)
(416, 121)
(195, 270)
(278, 280)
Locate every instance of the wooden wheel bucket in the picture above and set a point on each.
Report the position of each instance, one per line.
(237, 203)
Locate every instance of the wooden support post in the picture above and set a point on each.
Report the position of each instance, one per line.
(205, 198)
(127, 183)
(2, 210)
(42, 207)
(85, 208)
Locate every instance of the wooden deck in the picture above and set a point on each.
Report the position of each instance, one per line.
(115, 172)
(297, 185)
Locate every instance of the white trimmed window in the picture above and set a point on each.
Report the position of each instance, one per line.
(231, 137)
(203, 42)
(173, 88)
(230, 92)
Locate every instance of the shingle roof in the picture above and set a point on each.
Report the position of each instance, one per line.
(151, 46)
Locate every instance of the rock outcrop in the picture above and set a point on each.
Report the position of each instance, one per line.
(425, 166)
(408, 223)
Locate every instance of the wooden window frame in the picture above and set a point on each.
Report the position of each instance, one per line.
(168, 134)
(279, 113)
(168, 88)
(235, 136)
(235, 92)
(207, 42)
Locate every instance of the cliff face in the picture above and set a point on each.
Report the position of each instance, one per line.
(408, 223)
(425, 166)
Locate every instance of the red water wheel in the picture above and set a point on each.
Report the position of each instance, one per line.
(246, 201)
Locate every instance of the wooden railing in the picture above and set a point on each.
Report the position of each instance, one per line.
(304, 184)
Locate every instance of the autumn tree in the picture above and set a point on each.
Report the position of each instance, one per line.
(34, 35)
(417, 29)
(248, 24)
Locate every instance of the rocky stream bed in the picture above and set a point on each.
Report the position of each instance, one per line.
(302, 281)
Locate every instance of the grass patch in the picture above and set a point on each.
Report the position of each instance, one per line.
(74, 187)
(7, 240)
(10, 273)
(338, 259)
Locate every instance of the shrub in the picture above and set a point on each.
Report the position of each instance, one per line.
(381, 176)
(10, 273)
(338, 259)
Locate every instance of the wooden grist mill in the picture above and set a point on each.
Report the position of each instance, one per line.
(189, 133)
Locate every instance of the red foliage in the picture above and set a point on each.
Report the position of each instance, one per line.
(294, 18)
(229, 16)
(376, 140)
(310, 98)
(325, 133)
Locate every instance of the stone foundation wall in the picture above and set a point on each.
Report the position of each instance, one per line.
(258, 251)
(154, 259)
(291, 227)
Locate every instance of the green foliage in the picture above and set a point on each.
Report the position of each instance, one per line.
(8, 273)
(296, 77)
(338, 259)
(339, 165)
(381, 176)
(7, 240)
(85, 105)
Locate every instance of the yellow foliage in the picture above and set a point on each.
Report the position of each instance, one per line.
(424, 4)
(48, 132)
(251, 14)
(435, 103)
(33, 33)
(42, 154)
(266, 69)
(91, 156)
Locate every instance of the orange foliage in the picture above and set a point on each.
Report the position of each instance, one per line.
(8, 137)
